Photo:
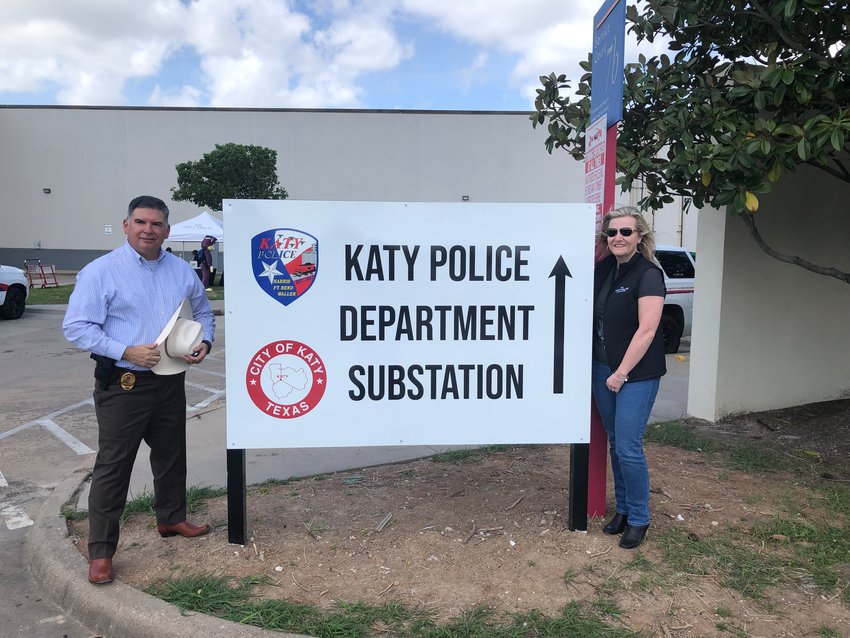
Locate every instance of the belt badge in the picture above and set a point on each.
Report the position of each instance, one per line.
(128, 380)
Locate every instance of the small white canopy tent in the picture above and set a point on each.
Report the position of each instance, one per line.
(196, 228)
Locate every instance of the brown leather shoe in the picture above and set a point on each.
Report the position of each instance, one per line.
(100, 571)
(185, 529)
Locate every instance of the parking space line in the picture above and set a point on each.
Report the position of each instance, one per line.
(212, 372)
(69, 408)
(15, 517)
(205, 402)
(75, 444)
(3, 482)
(60, 412)
(205, 388)
(15, 430)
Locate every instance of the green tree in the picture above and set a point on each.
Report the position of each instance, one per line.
(231, 171)
(755, 89)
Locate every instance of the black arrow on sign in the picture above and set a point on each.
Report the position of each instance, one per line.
(560, 272)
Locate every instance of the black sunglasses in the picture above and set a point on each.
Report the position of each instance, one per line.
(625, 232)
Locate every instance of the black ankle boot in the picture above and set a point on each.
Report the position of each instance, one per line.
(616, 525)
(633, 536)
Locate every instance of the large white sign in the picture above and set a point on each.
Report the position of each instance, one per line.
(361, 323)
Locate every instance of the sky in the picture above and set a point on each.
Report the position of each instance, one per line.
(349, 54)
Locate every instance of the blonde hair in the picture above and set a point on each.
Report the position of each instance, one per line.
(646, 246)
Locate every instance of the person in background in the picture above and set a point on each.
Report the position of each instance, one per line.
(628, 360)
(121, 302)
(205, 259)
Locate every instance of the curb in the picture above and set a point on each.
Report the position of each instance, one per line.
(46, 309)
(59, 571)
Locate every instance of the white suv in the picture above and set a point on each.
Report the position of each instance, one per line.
(678, 265)
(14, 290)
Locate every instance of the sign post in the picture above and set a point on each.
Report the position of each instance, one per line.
(606, 110)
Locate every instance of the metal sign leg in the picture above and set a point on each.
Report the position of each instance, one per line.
(577, 519)
(237, 509)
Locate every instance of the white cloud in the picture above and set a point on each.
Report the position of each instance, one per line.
(265, 53)
(186, 96)
(271, 52)
(88, 49)
(544, 35)
(470, 74)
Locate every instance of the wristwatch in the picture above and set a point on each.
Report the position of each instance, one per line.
(208, 344)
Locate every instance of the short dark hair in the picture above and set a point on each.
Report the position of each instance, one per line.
(147, 201)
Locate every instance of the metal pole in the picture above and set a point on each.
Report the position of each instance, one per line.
(237, 510)
(577, 518)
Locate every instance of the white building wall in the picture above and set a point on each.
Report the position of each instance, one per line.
(95, 160)
(767, 334)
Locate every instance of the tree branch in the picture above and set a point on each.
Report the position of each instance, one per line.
(843, 169)
(839, 173)
(749, 220)
(791, 43)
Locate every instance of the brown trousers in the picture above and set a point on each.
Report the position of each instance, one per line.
(153, 411)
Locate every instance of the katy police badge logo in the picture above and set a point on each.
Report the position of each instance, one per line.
(285, 262)
(286, 379)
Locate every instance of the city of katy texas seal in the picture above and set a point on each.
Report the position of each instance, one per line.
(286, 379)
(285, 262)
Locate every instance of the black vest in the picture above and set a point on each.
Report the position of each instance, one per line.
(620, 317)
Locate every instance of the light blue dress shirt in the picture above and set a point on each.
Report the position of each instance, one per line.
(121, 299)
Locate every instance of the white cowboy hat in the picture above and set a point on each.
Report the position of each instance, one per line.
(180, 336)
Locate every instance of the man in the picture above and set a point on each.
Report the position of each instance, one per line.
(121, 302)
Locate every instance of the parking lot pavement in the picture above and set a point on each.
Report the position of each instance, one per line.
(42, 376)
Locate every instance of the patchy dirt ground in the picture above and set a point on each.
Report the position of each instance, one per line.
(451, 536)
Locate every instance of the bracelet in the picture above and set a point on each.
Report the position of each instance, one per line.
(208, 345)
(621, 377)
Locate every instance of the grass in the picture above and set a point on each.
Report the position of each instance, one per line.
(195, 498)
(267, 486)
(746, 457)
(788, 548)
(675, 434)
(61, 294)
(837, 499)
(728, 555)
(776, 553)
(49, 296)
(822, 552)
(234, 600)
(753, 458)
(472, 455)
(71, 514)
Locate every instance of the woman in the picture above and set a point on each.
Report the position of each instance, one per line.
(628, 360)
(205, 260)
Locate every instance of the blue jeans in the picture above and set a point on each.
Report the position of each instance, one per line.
(624, 416)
